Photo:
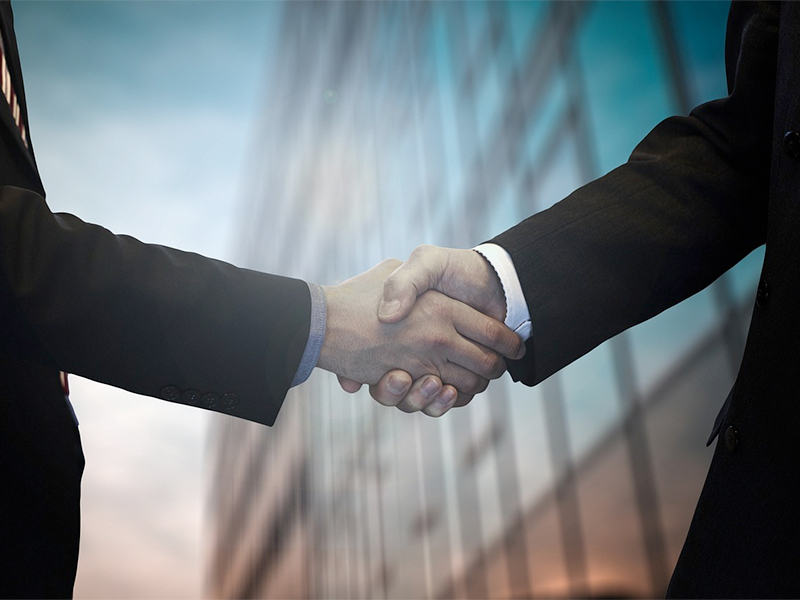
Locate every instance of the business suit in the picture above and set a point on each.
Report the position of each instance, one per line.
(697, 195)
(149, 319)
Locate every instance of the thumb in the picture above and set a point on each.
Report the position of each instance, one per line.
(415, 276)
(399, 296)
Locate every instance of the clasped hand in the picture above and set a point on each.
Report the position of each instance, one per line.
(425, 335)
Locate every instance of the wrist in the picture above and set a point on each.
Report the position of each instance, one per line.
(327, 353)
(348, 342)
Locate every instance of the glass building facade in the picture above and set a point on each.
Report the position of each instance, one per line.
(391, 124)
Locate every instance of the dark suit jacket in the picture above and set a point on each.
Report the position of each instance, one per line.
(152, 320)
(149, 319)
(697, 195)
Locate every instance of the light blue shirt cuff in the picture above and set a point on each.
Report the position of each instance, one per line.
(518, 318)
(316, 334)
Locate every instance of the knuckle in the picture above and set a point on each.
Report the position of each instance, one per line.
(431, 302)
(474, 385)
(493, 365)
(421, 250)
(493, 331)
(380, 398)
(390, 262)
(421, 399)
(437, 342)
(469, 384)
(512, 343)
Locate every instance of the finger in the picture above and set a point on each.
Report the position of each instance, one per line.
(348, 385)
(392, 388)
(424, 391)
(419, 273)
(473, 358)
(464, 380)
(463, 400)
(444, 401)
(487, 332)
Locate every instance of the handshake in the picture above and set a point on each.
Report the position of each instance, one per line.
(427, 334)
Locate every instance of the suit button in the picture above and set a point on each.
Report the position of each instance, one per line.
(791, 144)
(731, 439)
(762, 295)
(170, 392)
(209, 400)
(229, 401)
(190, 396)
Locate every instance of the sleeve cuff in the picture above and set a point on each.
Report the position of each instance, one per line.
(316, 335)
(518, 318)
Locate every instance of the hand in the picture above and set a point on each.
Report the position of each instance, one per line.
(426, 394)
(440, 337)
(463, 275)
(397, 388)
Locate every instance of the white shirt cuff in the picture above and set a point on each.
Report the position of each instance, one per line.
(518, 319)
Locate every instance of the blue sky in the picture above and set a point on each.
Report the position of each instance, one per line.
(141, 116)
(140, 111)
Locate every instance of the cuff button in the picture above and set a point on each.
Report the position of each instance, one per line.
(229, 401)
(170, 392)
(190, 396)
(209, 400)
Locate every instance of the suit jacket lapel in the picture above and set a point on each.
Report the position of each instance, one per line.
(12, 59)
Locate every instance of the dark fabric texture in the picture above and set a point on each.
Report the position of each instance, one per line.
(697, 195)
(40, 472)
(149, 319)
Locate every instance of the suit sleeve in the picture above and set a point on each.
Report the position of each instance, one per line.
(691, 202)
(146, 318)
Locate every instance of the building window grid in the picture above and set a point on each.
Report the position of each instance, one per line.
(350, 430)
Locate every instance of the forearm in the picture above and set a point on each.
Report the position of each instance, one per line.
(629, 245)
(691, 201)
(147, 318)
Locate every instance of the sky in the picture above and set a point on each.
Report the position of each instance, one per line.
(141, 115)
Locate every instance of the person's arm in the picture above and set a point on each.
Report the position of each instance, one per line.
(470, 279)
(146, 318)
(178, 326)
(440, 337)
(690, 203)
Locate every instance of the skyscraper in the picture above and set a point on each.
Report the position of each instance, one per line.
(387, 125)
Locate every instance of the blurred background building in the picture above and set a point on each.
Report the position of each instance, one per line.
(391, 124)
